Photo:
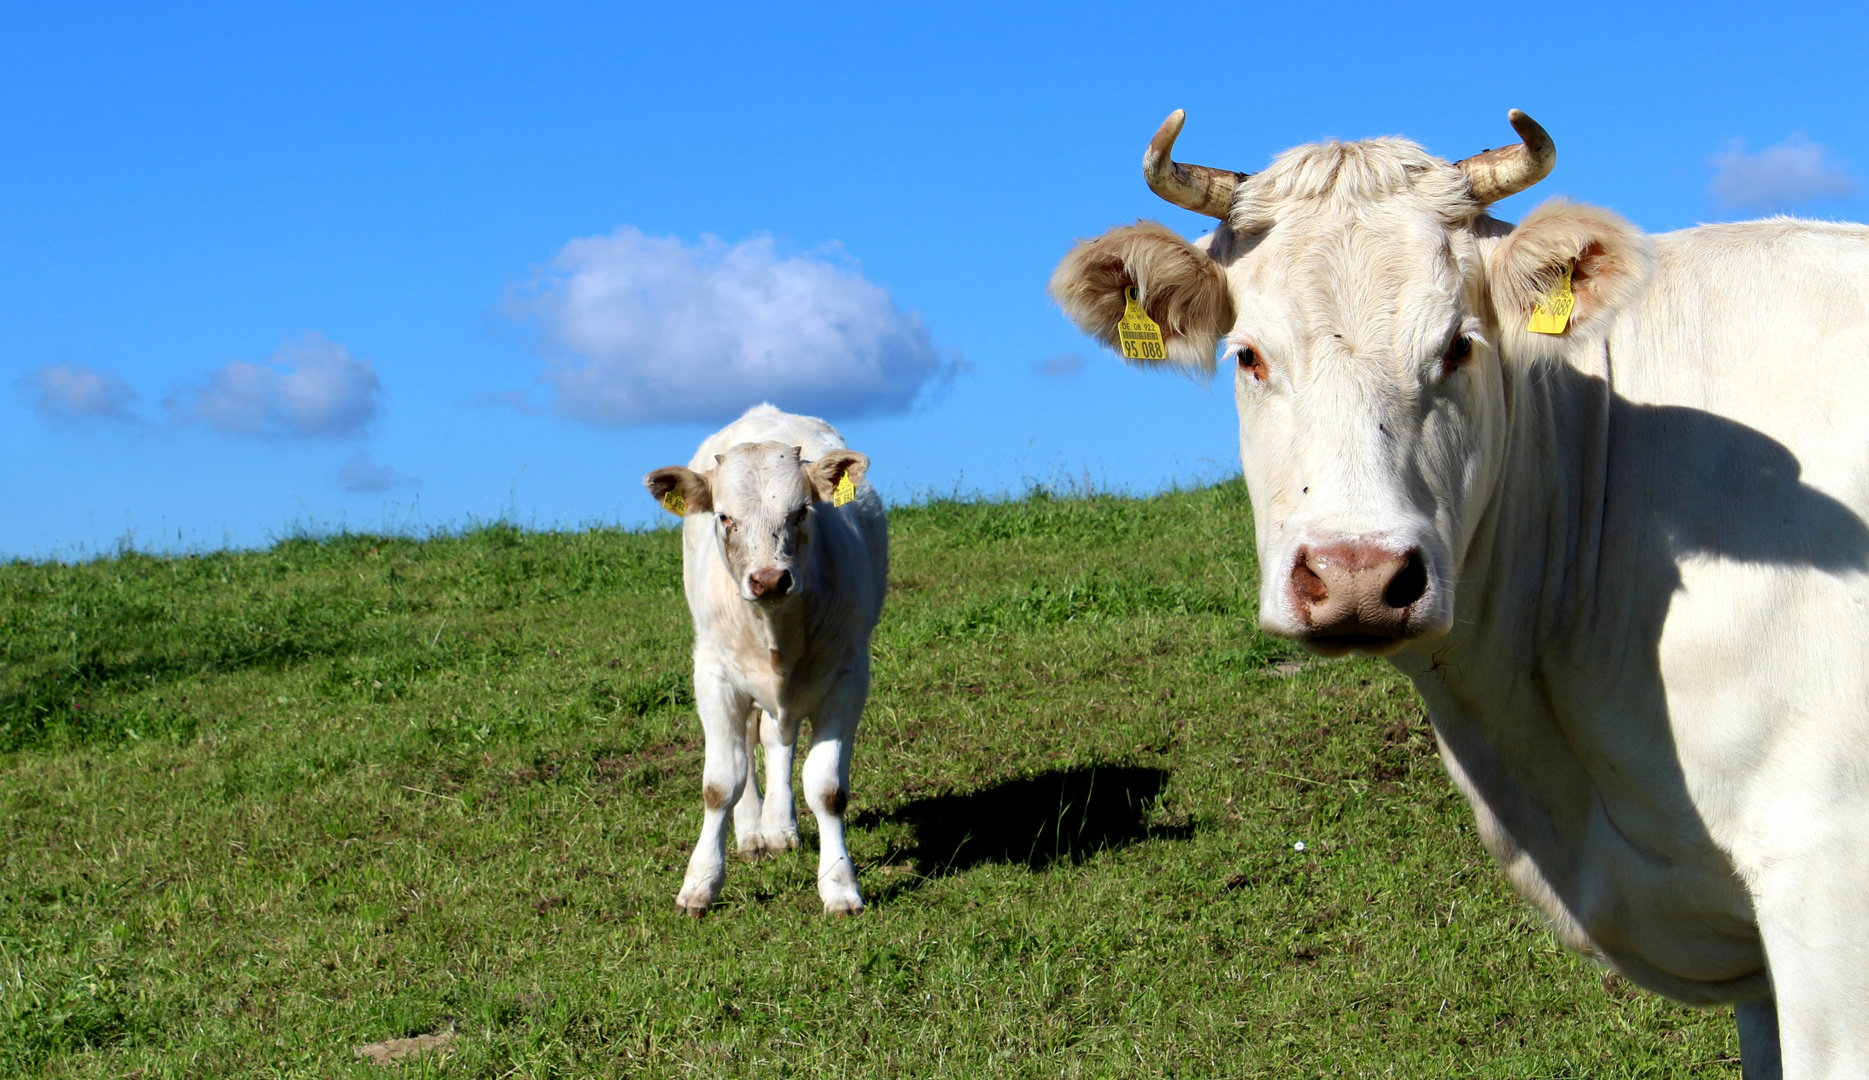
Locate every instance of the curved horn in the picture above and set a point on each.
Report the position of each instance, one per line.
(1494, 174)
(1191, 187)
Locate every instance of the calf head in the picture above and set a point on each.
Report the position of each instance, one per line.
(1371, 313)
(761, 498)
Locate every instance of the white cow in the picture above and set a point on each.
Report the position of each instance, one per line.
(785, 559)
(1623, 559)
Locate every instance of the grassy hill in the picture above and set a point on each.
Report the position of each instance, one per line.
(264, 808)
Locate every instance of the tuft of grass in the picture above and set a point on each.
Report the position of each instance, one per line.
(265, 808)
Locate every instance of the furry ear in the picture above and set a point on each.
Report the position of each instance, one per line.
(824, 473)
(1177, 284)
(1610, 260)
(680, 491)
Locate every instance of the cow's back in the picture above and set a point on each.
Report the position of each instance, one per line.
(1765, 324)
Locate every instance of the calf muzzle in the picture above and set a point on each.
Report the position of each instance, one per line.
(769, 583)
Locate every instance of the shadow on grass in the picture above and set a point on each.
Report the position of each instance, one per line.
(1065, 816)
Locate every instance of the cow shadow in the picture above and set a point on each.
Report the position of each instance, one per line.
(1061, 817)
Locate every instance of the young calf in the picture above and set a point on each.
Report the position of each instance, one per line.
(785, 557)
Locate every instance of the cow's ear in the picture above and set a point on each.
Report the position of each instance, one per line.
(1177, 284)
(826, 473)
(680, 491)
(1610, 263)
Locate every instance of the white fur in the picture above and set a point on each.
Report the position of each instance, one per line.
(761, 669)
(1645, 639)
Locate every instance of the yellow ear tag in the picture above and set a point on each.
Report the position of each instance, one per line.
(844, 491)
(1551, 312)
(1141, 336)
(675, 503)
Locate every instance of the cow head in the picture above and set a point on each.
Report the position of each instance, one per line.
(1371, 314)
(761, 498)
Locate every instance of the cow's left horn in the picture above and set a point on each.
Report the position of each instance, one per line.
(1494, 174)
(1191, 187)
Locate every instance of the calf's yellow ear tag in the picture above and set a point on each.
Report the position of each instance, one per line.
(1551, 312)
(675, 503)
(1140, 335)
(844, 491)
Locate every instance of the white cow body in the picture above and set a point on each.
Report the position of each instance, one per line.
(1626, 565)
(785, 588)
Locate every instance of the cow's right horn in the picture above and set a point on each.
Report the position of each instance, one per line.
(1494, 174)
(1191, 187)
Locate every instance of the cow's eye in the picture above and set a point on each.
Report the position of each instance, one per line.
(1252, 363)
(1458, 351)
(798, 515)
(725, 521)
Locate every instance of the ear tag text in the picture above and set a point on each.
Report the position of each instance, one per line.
(844, 491)
(1551, 312)
(1140, 335)
(675, 503)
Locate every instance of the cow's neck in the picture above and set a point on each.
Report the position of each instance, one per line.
(1546, 697)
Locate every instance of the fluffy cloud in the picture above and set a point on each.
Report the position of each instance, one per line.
(71, 392)
(641, 329)
(310, 388)
(362, 476)
(1788, 174)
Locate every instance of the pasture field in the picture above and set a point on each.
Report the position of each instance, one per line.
(264, 808)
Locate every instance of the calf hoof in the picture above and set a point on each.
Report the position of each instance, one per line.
(840, 897)
(762, 845)
(695, 900)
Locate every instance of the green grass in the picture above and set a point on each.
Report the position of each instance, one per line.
(266, 807)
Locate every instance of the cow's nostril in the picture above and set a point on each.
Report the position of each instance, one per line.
(1305, 582)
(782, 584)
(1409, 583)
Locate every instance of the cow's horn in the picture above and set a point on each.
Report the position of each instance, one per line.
(1494, 174)
(1191, 187)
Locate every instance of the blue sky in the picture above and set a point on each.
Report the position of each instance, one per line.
(408, 266)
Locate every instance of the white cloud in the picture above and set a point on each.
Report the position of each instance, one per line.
(310, 388)
(362, 476)
(73, 392)
(641, 329)
(1061, 366)
(1788, 174)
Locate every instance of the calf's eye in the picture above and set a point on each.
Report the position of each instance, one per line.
(1457, 352)
(1252, 363)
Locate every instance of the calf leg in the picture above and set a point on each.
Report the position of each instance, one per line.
(778, 823)
(746, 811)
(723, 724)
(1758, 1040)
(827, 790)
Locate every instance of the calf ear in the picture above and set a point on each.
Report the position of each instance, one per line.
(680, 491)
(828, 471)
(1610, 261)
(1179, 287)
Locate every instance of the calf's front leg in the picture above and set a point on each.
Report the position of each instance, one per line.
(826, 778)
(723, 778)
(778, 821)
(746, 810)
